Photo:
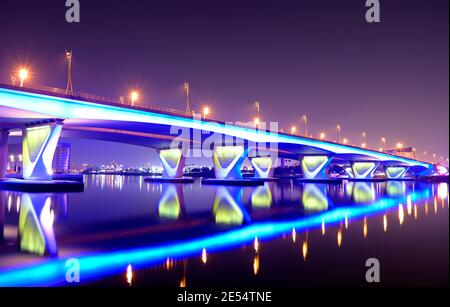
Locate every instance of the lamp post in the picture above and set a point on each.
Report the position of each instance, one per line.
(69, 87)
(305, 119)
(383, 140)
(339, 133)
(188, 107)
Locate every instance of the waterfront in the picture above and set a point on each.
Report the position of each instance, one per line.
(127, 232)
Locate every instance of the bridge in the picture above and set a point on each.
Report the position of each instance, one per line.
(42, 117)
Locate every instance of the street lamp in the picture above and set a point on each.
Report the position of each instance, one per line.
(383, 140)
(188, 106)
(205, 111)
(345, 141)
(23, 75)
(293, 129)
(399, 145)
(363, 145)
(306, 124)
(256, 120)
(322, 135)
(134, 96)
(339, 132)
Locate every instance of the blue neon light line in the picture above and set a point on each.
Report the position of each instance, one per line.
(66, 108)
(97, 265)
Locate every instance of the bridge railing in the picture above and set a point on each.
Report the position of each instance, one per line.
(88, 96)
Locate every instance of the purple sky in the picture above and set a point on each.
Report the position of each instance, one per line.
(316, 57)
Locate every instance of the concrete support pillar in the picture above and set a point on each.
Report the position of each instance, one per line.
(364, 170)
(348, 170)
(173, 162)
(263, 166)
(395, 172)
(228, 161)
(3, 152)
(315, 167)
(38, 147)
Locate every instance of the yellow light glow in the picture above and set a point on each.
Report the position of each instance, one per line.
(134, 97)
(323, 227)
(401, 214)
(399, 145)
(365, 228)
(363, 145)
(256, 120)
(204, 256)
(256, 245)
(129, 274)
(205, 111)
(305, 249)
(345, 141)
(294, 235)
(339, 237)
(385, 223)
(322, 135)
(346, 222)
(256, 264)
(23, 75)
(293, 129)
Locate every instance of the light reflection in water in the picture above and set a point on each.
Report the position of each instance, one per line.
(363, 192)
(230, 201)
(256, 264)
(401, 214)
(314, 197)
(204, 256)
(171, 203)
(129, 275)
(262, 197)
(365, 227)
(305, 249)
(339, 237)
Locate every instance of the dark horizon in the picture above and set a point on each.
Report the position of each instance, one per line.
(319, 58)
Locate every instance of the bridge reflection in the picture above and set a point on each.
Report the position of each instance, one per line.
(233, 216)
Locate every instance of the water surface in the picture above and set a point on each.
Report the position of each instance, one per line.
(123, 231)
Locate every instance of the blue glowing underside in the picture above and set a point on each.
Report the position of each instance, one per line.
(97, 265)
(65, 108)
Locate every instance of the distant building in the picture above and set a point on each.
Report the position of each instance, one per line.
(407, 152)
(61, 159)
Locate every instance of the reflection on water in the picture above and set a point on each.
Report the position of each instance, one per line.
(171, 203)
(122, 223)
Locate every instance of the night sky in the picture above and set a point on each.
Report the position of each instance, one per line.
(316, 57)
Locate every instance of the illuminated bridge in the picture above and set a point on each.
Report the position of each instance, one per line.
(43, 117)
